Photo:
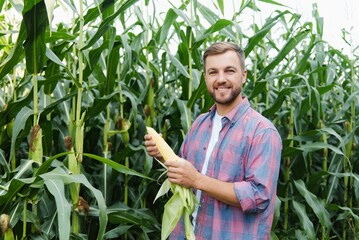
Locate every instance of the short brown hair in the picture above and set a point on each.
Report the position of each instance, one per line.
(222, 47)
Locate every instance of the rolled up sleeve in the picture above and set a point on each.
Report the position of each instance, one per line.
(261, 172)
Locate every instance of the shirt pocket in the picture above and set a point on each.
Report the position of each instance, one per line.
(229, 162)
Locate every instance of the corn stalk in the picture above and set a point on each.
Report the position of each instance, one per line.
(149, 107)
(36, 24)
(75, 159)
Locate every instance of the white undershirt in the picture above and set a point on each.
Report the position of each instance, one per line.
(216, 128)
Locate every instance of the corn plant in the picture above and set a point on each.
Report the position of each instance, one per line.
(76, 97)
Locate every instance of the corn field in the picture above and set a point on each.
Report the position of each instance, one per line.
(76, 97)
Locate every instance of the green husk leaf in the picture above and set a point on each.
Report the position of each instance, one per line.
(165, 187)
(183, 201)
(172, 214)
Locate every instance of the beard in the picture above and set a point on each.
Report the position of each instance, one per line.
(226, 100)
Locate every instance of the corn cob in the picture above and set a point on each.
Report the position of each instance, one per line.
(35, 151)
(165, 150)
(6, 228)
(74, 167)
(183, 200)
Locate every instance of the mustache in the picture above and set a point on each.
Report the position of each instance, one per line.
(222, 85)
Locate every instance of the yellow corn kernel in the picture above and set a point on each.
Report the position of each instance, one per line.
(165, 150)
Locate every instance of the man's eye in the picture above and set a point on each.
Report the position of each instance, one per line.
(230, 71)
(212, 73)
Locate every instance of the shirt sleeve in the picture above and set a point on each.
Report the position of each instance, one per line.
(261, 172)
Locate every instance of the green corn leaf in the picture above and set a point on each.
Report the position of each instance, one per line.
(93, 58)
(299, 235)
(185, 115)
(221, 6)
(350, 212)
(353, 175)
(332, 132)
(178, 65)
(4, 163)
(208, 14)
(12, 187)
(113, 60)
(60, 35)
(118, 167)
(50, 7)
(2, 3)
(200, 92)
(259, 35)
(52, 76)
(316, 146)
(219, 25)
(106, 24)
(19, 125)
(46, 165)
(99, 105)
(53, 106)
(167, 23)
(278, 102)
(301, 67)
(273, 236)
(356, 187)
(310, 135)
(183, 15)
(120, 214)
(57, 189)
(35, 20)
(307, 225)
(55, 181)
(117, 231)
(212, 18)
(316, 205)
(15, 56)
(353, 98)
(52, 56)
(277, 208)
(289, 46)
(97, 10)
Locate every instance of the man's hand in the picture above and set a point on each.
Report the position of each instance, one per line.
(182, 173)
(151, 148)
(185, 174)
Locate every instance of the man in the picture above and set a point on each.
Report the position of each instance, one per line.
(233, 156)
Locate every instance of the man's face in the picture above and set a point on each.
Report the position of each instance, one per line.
(225, 78)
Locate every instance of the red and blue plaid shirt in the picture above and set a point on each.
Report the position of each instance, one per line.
(247, 153)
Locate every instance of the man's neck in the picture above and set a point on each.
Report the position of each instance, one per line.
(224, 109)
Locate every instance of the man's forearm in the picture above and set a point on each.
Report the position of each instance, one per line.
(222, 191)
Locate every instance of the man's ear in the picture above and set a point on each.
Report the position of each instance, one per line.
(244, 76)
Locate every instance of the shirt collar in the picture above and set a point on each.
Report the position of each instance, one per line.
(236, 113)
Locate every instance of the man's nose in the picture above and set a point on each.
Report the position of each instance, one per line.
(221, 77)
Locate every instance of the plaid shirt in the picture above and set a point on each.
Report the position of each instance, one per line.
(248, 154)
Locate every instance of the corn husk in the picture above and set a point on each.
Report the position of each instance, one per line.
(5, 227)
(183, 200)
(35, 151)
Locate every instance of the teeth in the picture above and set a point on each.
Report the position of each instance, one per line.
(222, 88)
